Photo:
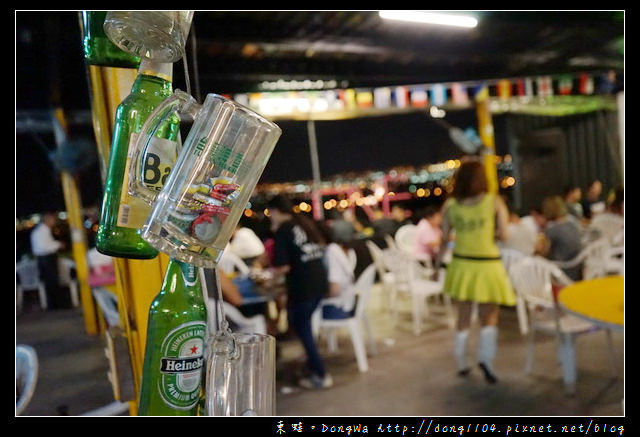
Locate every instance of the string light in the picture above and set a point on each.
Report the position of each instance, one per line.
(456, 20)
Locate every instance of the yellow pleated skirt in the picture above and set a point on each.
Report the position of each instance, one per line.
(482, 281)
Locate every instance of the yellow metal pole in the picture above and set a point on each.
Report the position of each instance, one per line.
(73, 205)
(100, 118)
(485, 129)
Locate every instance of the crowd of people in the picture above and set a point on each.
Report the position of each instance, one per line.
(316, 261)
(304, 265)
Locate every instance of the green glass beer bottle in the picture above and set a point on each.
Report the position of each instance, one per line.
(98, 48)
(173, 366)
(122, 215)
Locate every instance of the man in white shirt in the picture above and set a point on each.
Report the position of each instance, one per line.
(46, 248)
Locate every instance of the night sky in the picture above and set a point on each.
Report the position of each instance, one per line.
(52, 69)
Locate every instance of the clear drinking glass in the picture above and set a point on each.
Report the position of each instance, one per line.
(157, 35)
(241, 375)
(205, 194)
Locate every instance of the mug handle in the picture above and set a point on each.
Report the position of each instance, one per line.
(178, 102)
(219, 375)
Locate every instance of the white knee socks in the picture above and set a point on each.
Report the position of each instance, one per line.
(460, 350)
(487, 345)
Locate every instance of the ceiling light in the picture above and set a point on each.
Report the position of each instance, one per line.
(431, 18)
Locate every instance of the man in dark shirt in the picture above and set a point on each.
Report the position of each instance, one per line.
(298, 254)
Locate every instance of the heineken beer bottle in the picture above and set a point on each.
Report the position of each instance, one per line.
(174, 360)
(122, 215)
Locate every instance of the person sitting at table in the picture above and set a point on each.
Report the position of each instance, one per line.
(562, 235)
(592, 204)
(340, 260)
(428, 233)
(236, 270)
(572, 197)
(520, 235)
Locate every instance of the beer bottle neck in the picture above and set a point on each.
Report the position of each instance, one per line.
(163, 70)
(154, 78)
(181, 276)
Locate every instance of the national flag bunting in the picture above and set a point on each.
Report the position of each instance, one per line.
(459, 95)
(504, 89)
(565, 85)
(585, 84)
(401, 96)
(545, 86)
(438, 95)
(419, 97)
(382, 98)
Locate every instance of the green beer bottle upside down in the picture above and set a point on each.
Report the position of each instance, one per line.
(174, 353)
(123, 215)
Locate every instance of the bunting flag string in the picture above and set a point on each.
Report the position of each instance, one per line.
(456, 94)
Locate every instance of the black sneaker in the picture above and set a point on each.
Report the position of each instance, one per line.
(488, 374)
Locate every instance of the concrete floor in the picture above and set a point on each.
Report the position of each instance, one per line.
(409, 376)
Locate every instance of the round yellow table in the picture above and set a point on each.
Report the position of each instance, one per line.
(600, 300)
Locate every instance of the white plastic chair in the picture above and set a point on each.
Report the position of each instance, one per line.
(532, 278)
(108, 303)
(386, 277)
(229, 262)
(615, 261)
(606, 225)
(509, 258)
(29, 279)
(413, 279)
(406, 238)
(391, 243)
(362, 287)
(594, 259)
(65, 267)
(250, 325)
(26, 376)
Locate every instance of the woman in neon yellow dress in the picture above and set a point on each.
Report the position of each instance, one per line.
(476, 273)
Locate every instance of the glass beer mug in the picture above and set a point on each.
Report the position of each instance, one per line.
(157, 35)
(241, 375)
(203, 197)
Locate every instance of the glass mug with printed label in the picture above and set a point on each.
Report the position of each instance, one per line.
(202, 199)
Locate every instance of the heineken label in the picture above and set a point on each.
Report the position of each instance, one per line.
(181, 365)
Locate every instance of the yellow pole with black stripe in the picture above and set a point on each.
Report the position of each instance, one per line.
(485, 129)
(73, 205)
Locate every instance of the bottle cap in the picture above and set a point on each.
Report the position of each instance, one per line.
(163, 70)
